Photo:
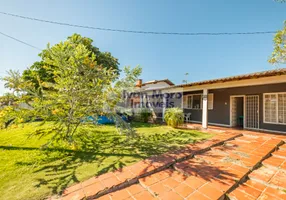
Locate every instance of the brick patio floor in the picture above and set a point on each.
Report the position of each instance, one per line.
(232, 165)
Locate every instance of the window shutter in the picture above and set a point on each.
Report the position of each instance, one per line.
(210, 101)
(185, 101)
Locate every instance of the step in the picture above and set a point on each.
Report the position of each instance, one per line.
(280, 153)
(209, 174)
(127, 176)
(273, 161)
(269, 176)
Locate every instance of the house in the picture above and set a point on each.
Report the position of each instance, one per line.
(251, 101)
(135, 98)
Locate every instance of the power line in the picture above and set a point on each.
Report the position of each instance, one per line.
(139, 32)
(20, 41)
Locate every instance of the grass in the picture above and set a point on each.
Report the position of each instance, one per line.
(29, 172)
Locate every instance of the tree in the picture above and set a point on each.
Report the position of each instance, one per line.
(279, 53)
(80, 88)
(41, 70)
(13, 81)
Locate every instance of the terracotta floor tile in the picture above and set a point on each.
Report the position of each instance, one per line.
(279, 179)
(273, 161)
(90, 181)
(184, 190)
(190, 170)
(283, 146)
(220, 185)
(77, 195)
(179, 154)
(119, 195)
(170, 182)
(105, 197)
(249, 190)
(125, 176)
(279, 194)
(144, 196)
(249, 162)
(283, 166)
(105, 176)
(235, 173)
(164, 174)
(180, 177)
(171, 195)
(136, 188)
(273, 141)
(137, 171)
(255, 185)
(147, 181)
(111, 181)
(195, 182)
(239, 195)
(240, 168)
(280, 153)
(197, 196)
(263, 174)
(210, 191)
(72, 188)
(93, 189)
(266, 196)
(159, 189)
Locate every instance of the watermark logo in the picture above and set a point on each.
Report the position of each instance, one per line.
(156, 100)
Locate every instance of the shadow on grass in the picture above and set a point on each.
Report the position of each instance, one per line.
(103, 151)
(144, 125)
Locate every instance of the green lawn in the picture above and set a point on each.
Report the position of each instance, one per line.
(29, 172)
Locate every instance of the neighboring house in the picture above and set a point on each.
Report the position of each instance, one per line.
(141, 87)
(251, 101)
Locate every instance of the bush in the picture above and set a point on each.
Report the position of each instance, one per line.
(174, 117)
(145, 113)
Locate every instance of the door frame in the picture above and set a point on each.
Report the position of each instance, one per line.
(230, 109)
(258, 113)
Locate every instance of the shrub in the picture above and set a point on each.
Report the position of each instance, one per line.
(174, 117)
(145, 113)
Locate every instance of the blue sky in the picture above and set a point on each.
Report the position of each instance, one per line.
(203, 57)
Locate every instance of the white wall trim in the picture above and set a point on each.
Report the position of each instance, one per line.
(267, 130)
(214, 124)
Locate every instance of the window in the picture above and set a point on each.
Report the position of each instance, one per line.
(197, 100)
(275, 108)
(194, 101)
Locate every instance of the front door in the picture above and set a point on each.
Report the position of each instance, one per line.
(252, 112)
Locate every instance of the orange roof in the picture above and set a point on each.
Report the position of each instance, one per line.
(268, 73)
(157, 81)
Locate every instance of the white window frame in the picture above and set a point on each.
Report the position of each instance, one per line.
(201, 105)
(277, 107)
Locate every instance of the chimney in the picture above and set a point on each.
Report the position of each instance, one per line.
(139, 83)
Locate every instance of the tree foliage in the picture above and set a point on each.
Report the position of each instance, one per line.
(80, 87)
(44, 71)
(13, 81)
(279, 53)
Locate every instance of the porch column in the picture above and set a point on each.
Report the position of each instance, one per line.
(205, 109)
